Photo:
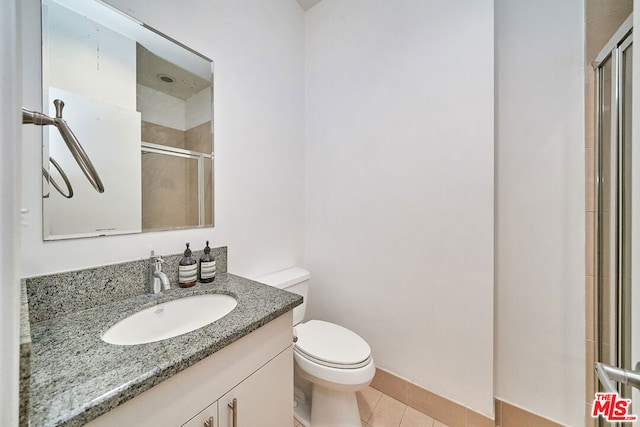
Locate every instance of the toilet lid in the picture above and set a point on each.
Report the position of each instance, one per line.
(331, 344)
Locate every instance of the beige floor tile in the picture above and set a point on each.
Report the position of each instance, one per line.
(367, 401)
(387, 413)
(380, 410)
(413, 418)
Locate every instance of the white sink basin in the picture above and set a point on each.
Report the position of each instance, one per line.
(170, 319)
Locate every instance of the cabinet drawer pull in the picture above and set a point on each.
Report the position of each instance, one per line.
(209, 423)
(234, 407)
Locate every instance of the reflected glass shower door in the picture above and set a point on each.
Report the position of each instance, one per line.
(175, 191)
(616, 275)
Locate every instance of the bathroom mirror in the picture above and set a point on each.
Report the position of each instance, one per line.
(141, 105)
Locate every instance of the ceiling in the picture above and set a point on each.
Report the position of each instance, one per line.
(150, 68)
(308, 4)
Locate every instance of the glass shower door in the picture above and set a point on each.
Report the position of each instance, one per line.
(631, 289)
(177, 189)
(617, 221)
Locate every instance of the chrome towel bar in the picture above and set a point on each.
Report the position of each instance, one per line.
(610, 374)
(40, 119)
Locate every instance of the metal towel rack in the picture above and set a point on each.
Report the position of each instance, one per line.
(40, 119)
(610, 374)
(50, 179)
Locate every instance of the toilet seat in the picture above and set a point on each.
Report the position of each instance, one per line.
(331, 345)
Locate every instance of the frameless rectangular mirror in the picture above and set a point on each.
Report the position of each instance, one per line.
(141, 106)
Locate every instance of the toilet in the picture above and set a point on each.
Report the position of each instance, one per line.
(331, 362)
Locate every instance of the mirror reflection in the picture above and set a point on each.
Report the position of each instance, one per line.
(140, 105)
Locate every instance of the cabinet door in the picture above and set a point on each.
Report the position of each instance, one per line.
(207, 418)
(263, 399)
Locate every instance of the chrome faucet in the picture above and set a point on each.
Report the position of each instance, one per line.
(158, 281)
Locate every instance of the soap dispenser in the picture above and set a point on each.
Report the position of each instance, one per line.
(187, 270)
(207, 269)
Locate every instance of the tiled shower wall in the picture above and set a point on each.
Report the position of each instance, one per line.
(602, 19)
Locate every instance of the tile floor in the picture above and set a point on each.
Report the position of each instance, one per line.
(379, 410)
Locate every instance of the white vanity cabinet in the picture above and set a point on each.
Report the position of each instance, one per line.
(206, 418)
(256, 370)
(257, 401)
(260, 399)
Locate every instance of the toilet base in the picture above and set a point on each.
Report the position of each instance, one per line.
(302, 413)
(331, 408)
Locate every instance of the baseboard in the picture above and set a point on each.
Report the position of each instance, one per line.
(437, 407)
(508, 415)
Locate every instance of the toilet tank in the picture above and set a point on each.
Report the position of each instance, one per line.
(294, 280)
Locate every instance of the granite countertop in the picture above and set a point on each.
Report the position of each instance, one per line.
(25, 354)
(76, 377)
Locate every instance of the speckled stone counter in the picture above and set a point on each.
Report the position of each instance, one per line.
(25, 354)
(63, 293)
(76, 377)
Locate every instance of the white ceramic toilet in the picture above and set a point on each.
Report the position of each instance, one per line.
(331, 362)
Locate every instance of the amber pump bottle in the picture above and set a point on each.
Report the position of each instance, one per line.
(207, 268)
(187, 270)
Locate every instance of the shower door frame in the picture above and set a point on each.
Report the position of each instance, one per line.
(618, 235)
(149, 147)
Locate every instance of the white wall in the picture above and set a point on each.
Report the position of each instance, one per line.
(400, 185)
(198, 108)
(9, 213)
(110, 135)
(162, 109)
(84, 57)
(540, 270)
(166, 110)
(258, 50)
(93, 70)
